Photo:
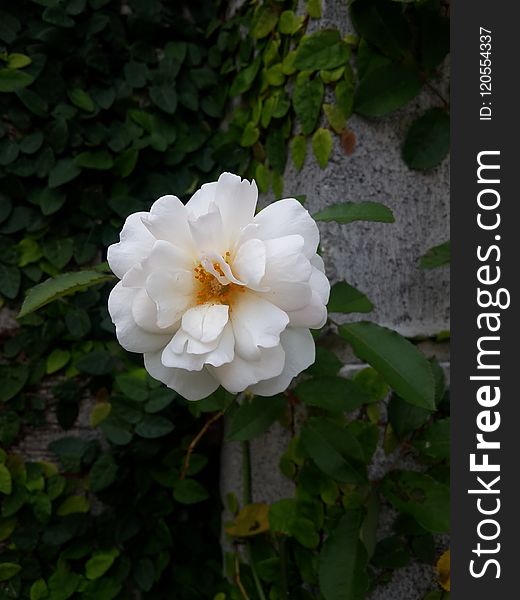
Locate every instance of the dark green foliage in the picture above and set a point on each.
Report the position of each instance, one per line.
(104, 110)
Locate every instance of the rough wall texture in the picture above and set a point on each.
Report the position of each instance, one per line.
(380, 260)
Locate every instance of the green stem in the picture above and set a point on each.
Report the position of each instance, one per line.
(258, 583)
(247, 499)
(284, 565)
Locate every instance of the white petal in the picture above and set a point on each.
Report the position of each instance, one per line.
(300, 353)
(192, 385)
(172, 292)
(163, 256)
(287, 217)
(289, 295)
(256, 324)
(199, 203)
(225, 350)
(236, 199)
(135, 245)
(320, 284)
(168, 220)
(132, 337)
(239, 374)
(313, 314)
(144, 312)
(205, 322)
(317, 261)
(285, 260)
(175, 354)
(225, 274)
(207, 232)
(249, 263)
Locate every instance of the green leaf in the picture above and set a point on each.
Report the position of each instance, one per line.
(326, 363)
(56, 360)
(434, 441)
(154, 426)
(165, 97)
(144, 574)
(81, 99)
(289, 23)
(58, 251)
(386, 89)
(322, 146)
(293, 518)
(10, 279)
(262, 178)
(384, 25)
(264, 21)
(12, 379)
(18, 61)
(39, 590)
(348, 212)
(314, 8)
(276, 150)
(100, 160)
(31, 143)
(64, 170)
(244, 79)
(189, 491)
(98, 362)
(70, 451)
(6, 482)
(250, 135)
(342, 563)
(103, 473)
(335, 394)
(8, 570)
(405, 417)
(62, 583)
(437, 256)
(345, 298)
(254, 417)
(427, 142)
(307, 101)
(9, 151)
(420, 496)
(344, 93)
(12, 80)
(57, 287)
(398, 361)
(334, 450)
(391, 553)
(100, 562)
(73, 505)
(335, 116)
(323, 49)
(298, 147)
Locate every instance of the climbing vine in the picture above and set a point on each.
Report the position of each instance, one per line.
(105, 106)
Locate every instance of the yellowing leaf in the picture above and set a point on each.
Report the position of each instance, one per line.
(251, 520)
(443, 570)
(99, 413)
(73, 504)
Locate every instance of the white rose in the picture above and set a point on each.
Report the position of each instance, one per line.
(213, 295)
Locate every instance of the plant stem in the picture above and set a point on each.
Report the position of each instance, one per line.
(247, 499)
(196, 440)
(284, 566)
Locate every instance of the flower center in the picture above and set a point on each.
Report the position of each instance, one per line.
(210, 289)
